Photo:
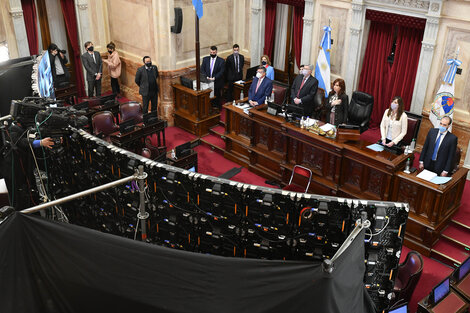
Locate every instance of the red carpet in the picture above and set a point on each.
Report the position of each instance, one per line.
(215, 140)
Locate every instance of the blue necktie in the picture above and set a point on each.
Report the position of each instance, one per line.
(436, 147)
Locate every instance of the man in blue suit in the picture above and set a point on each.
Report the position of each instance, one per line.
(439, 149)
(260, 88)
(213, 68)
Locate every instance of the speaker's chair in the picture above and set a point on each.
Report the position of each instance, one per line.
(360, 110)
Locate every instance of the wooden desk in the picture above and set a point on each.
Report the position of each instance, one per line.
(185, 162)
(133, 139)
(193, 110)
(237, 89)
(270, 147)
(452, 303)
(431, 206)
(69, 94)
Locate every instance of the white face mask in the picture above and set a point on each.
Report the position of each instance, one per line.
(394, 106)
(304, 72)
(259, 75)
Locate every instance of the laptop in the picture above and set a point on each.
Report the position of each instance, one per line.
(439, 292)
(401, 309)
(462, 279)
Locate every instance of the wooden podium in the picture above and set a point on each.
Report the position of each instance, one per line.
(193, 110)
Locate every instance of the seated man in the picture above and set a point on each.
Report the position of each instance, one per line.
(439, 149)
(260, 88)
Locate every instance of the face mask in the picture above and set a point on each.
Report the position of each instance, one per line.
(90, 48)
(110, 52)
(394, 106)
(148, 64)
(213, 55)
(264, 62)
(442, 129)
(235, 52)
(258, 75)
(304, 72)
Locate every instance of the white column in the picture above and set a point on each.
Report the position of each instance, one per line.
(163, 17)
(355, 44)
(16, 12)
(83, 25)
(425, 58)
(257, 36)
(307, 32)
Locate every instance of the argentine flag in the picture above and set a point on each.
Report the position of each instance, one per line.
(443, 104)
(322, 68)
(198, 8)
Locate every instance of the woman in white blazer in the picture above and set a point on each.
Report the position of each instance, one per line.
(394, 123)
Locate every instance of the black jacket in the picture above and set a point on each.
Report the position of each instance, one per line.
(231, 70)
(445, 154)
(217, 71)
(91, 67)
(307, 93)
(63, 61)
(341, 111)
(141, 79)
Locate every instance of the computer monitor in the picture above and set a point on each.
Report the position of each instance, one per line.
(251, 72)
(296, 111)
(183, 149)
(186, 82)
(463, 270)
(401, 309)
(439, 292)
(273, 108)
(127, 126)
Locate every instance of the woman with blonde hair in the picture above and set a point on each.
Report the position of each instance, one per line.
(267, 64)
(114, 67)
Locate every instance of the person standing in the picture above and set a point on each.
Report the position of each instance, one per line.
(337, 104)
(146, 78)
(234, 69)
(267, 64)
(58, 60)
(260, 89)
(213, 68)
(439, 149)
(93, 64)
(114, 67)
(304, 89)
(394, 123)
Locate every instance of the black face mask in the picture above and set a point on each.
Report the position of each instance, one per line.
(90, 48)
(148, 64)
(264, 62)
(213, 55)
(110, 52)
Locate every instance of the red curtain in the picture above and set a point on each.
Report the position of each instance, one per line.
(31, 22)
(405, 65)
(68, 9)
(298, 32)
(270, 21)
(375, 69)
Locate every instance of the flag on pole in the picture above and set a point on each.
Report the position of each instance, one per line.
(198, 7)
(443, 104)
(322, 68)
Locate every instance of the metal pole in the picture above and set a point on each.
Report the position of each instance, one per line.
(80, 194)
(198, 57)
(142, 215)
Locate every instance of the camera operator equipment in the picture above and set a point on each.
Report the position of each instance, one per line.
(58, 61)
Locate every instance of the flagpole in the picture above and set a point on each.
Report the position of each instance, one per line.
(198, 56)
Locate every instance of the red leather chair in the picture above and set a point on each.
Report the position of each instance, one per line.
(156, 153)
(103, 123)
(146, 153)
(414, 122)
(93, 102)
(408, 276)
(131, 110)
(280, 92)
(302, 177)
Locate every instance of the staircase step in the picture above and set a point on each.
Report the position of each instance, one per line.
(457, 234)
(462, 217)
(214, 142)
(449, 252)
(217, 130)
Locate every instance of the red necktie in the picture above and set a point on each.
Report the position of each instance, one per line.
(301, 85)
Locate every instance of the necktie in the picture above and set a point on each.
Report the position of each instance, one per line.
(436, 147)
(94, 60)
(212, 65)
(236, 63)
(257, 85)
(301, 85)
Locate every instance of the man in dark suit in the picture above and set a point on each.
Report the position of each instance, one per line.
(234, 69)
(439, 149)
(260, 88)
(213, 69)
(304, 89)
(91, 60)
(146, 78)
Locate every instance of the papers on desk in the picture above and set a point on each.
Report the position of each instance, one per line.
(243, 106)
(241, 82)
(376, 147)
(433, 178)
(327, 127)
